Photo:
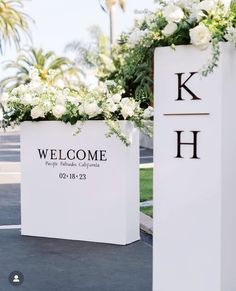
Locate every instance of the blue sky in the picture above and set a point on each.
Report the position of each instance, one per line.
(58, 22)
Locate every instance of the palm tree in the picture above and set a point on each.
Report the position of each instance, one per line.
(65, 69)
(94, 55)
(14, 23)
(110, 5)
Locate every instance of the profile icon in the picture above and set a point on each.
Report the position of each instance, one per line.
(16, 278)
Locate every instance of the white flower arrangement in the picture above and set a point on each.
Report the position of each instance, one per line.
(38, 100)
(180, 22)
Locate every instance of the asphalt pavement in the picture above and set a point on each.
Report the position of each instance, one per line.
(63, 265)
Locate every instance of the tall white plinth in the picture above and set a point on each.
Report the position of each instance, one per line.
(195, 171)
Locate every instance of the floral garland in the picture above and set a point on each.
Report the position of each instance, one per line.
(196, 22)
(38, 100)
(204, 24)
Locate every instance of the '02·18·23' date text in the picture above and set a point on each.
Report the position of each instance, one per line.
(72, 176)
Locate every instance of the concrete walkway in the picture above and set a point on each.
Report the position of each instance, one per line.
(62, 265)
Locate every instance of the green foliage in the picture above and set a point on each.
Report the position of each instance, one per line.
(133, 55)
(94, 55)
(14, 23)
(30, 57)
(146, 184)
(148, 210)
(39, 100)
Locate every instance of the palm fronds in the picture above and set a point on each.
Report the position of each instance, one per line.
(44, 62)
(14, 23)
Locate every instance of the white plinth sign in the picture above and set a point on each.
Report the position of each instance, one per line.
(81, 187)
(195, 171)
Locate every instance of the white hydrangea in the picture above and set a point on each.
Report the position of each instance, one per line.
(81, 110)
(187, 4)
(44, 100)
(128, 107)
(136, 36)
(60, 99)
(198, 10)
(15, 91)
(35, 101)
(35, 85)
(22, 89)
(148, 112)
(73, 100)
(207, 5)
(47, 105)
(231, 34)
(34, 74)
(49, 89)
(27, 99)
(60, 83)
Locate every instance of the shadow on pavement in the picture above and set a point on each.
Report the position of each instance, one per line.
(9, 204)
(65, 265)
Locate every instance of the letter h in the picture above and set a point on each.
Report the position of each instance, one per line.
(194, 144)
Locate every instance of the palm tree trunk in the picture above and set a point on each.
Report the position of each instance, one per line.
(112, 25)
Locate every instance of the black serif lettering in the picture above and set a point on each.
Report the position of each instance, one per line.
(184, 86)
(193, 144)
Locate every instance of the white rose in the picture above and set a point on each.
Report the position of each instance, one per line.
(35, 85)
(169, 29)
(73, 100)
(148, 112)
(49, 89)
(186, 4)
(116, 98)
(60, 100)
(27, 99)
(47, 105)
(92, 109)
(207, 5)
(33, 73)
(173, 13)
(136, 36)
(60, 83)
(81, 110)
(35, 101)
(14, 91)
(128, 106)
(111, 106)
(200, 36)
(58, 110)
(22, 89)
(37, 112)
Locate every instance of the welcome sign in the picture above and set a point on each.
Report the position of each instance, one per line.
(80, 186)
(195, 177)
